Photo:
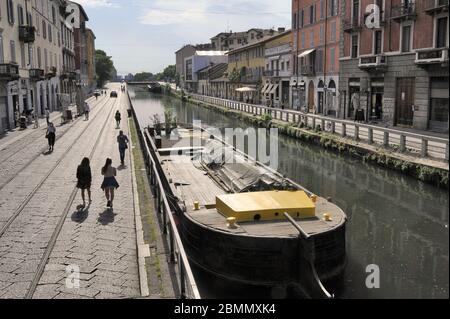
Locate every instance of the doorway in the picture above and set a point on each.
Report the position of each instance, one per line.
(311, 97)
(376, 103)
(404, 112)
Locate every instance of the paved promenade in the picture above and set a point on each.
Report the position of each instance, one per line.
(45, 235)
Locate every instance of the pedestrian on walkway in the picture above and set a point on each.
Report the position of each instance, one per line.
(123, 141)
(87, 109)
(109, 182)
(36, 121)
(118, 118)
(47, 115)
(51, 136)
(84, 177)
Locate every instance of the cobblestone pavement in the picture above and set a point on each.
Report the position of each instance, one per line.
(100, 243)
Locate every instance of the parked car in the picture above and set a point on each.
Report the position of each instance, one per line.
(113, 94)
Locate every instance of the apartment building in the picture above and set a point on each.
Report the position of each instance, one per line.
(186, 51)
(228, 41)
(30, 58)
(197, 62)
(278, 71)
(315, 38)
(395, 67)
(90, 59)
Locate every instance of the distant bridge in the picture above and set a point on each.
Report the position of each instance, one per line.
(142, 83)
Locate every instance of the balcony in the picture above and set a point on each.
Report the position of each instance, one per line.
(51, 72)
(272, 73)
(352, 25)
(404, 12)
(307, 70)
(373, 63)
(433, 7)
(431, 57)
(27, 34)
(9, 71)
(36, 74)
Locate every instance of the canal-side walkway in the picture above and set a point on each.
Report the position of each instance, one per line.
(50, 245)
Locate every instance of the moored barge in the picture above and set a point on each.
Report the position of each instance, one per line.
(245, 225)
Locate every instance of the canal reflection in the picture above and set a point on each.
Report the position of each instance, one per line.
(395, 222)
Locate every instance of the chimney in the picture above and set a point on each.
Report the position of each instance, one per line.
(280, 30)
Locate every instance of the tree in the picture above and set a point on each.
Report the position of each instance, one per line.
(143, 76)
(170, 72)
(104, 67)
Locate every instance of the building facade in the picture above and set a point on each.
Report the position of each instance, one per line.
(197, 62)
(316, 43)
(90, 59)
(278, 71)
(396, 70)
(228, 41)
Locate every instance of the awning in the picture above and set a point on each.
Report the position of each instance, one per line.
(305, 53)
(268, 88)
(245, 89)
(274, 89)
(263, 90)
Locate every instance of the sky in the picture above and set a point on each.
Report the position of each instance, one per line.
(143, 35)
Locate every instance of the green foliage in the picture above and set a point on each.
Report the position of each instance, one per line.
(143, 76)
(234, 76)
(104, 67)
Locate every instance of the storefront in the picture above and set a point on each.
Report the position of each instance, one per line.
(439, 99)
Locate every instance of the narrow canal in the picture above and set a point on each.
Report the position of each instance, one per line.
(395, 222)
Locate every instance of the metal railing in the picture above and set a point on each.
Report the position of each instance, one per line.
(425, 145)
(177, 256)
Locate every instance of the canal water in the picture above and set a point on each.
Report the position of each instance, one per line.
(395, 222)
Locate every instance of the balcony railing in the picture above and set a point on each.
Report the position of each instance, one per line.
(37, 74)
(27, 34)
(373, 63)
(9, 71)
(435, 6)
(272, 73)
(405, 11)
(352, 25)
(432, 56)
(307, 70)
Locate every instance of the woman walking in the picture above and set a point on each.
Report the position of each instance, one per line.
(109, 182)
(51, 136)
(118, 117)
(84, 177)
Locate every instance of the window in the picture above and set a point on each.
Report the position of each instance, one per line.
(53, 15)
(377, 42)
(441, 35)
(355, 11)
(12, 46)
(354, 53)
(2, 56)
(44, 30)
(301, 19)
(334, 7)
(406, 38)
(319, 61)
(50, 33)
(303, 40)
(59, 39)
(10, 9)
(45, 60)
(22, 55)
(321, 34)
(333, 31)
(312, 17)
(322, 10)
(29, 19)
(311, 38)
(294, 21)
(287, 65)
(332, 59)
(39, 57)
(20, 17)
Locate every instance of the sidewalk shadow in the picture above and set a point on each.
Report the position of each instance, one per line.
(46, 153)
(81, 214)
(107, 217)
(122, 167)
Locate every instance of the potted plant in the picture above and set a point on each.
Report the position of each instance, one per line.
(168, 115)
(157, 124)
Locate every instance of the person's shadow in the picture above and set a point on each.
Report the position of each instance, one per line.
(81, 214)
(107, 217)
(46, 153)
(122, 167)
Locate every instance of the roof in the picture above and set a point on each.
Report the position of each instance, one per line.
(210, 53)
(82, 11)
(255, 44)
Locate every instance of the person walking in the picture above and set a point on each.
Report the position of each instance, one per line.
(47, 115)
(118, 118)
(87, 109)
(123, 141)
(84, 177)
(109, 182)
(51, 136)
